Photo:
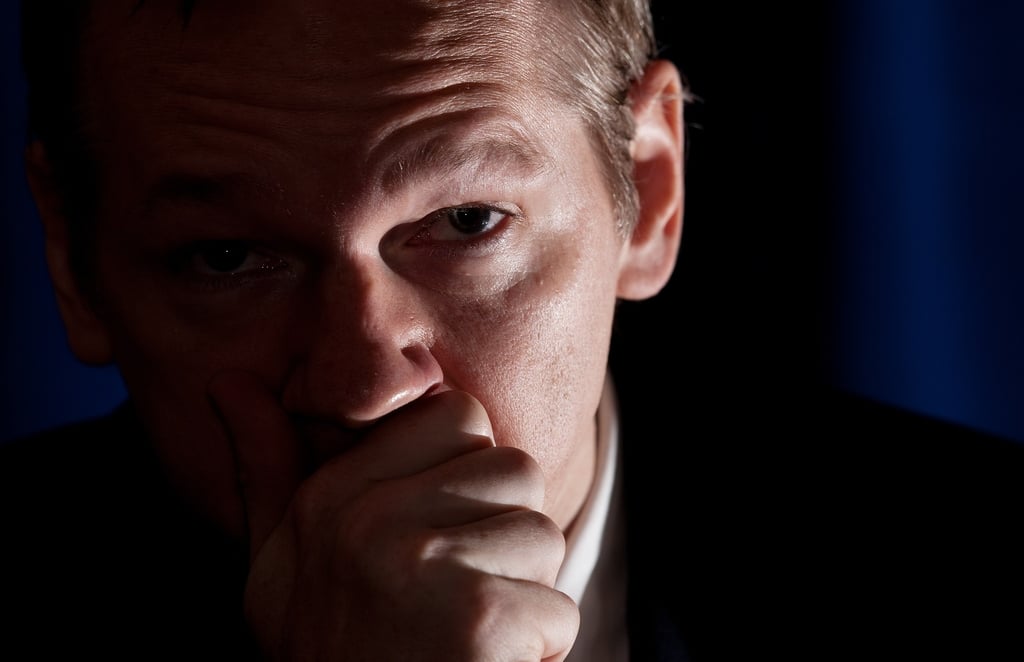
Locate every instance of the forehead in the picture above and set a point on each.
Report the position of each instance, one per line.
(362, 40)
(349, 78)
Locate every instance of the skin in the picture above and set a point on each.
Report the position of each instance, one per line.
(391, 401)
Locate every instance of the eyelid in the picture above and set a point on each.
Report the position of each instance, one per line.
(509, 211)
(183, 264)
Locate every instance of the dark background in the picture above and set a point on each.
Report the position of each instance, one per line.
(852, 218)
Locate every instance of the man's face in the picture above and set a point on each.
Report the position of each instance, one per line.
(361, 202)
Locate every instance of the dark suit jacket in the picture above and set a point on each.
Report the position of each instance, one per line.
(809, 524)
(817, 526)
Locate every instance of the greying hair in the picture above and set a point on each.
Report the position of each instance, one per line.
(612, 42)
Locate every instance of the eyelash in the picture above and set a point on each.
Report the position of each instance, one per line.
(189, 260)
(186, 262)
(473, 241)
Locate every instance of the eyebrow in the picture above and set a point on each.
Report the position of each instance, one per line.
(202, 189)
(437, 158)
(440, 158)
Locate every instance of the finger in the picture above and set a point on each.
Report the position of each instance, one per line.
(517, 544)
(268, 457)
(468, 488)
(558, 620)
(535, 622)
(421, 435)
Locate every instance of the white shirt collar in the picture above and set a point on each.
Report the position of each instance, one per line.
(583, 545)
(594, 570)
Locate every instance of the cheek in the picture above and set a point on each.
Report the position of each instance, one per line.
(158, 349)
(536, 357)
(168, 355)
(166, 363)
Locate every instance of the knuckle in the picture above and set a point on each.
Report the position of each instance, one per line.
(547, 530)
(466, 412)
(490, 604)
(518, 466)
(504, 625)
(519, 463)
(307, 506)
(460, 403)
(430, 545)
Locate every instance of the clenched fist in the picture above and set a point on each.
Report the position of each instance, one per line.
(424, 541)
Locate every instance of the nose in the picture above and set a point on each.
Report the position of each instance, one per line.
(365, 349)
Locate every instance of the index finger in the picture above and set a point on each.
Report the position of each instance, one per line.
(268, 455)
(421, 435)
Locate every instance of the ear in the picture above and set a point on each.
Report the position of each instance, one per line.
(657, 150)
(87, 336)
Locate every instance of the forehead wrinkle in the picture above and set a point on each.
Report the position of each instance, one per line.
(481, 26)
(487, 152)
(208, 189)
(481, 36)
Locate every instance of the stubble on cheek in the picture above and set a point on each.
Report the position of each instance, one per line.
(538, 356)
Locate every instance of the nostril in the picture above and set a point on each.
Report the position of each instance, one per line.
(336, 391)
(420, 356)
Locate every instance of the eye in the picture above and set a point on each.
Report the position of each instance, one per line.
(226, 259)
(221, 257)
(462, 223)
(472, 220)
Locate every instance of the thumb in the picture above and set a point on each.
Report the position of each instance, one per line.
(268, 456)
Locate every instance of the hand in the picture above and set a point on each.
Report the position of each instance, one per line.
(423, 542)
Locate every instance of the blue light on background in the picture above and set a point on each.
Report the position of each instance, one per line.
(43, 384)
(928, 307)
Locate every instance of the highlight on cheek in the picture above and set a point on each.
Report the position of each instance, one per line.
(468, 251)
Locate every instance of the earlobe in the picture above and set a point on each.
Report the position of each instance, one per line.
(87, 336)
(657, 149)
